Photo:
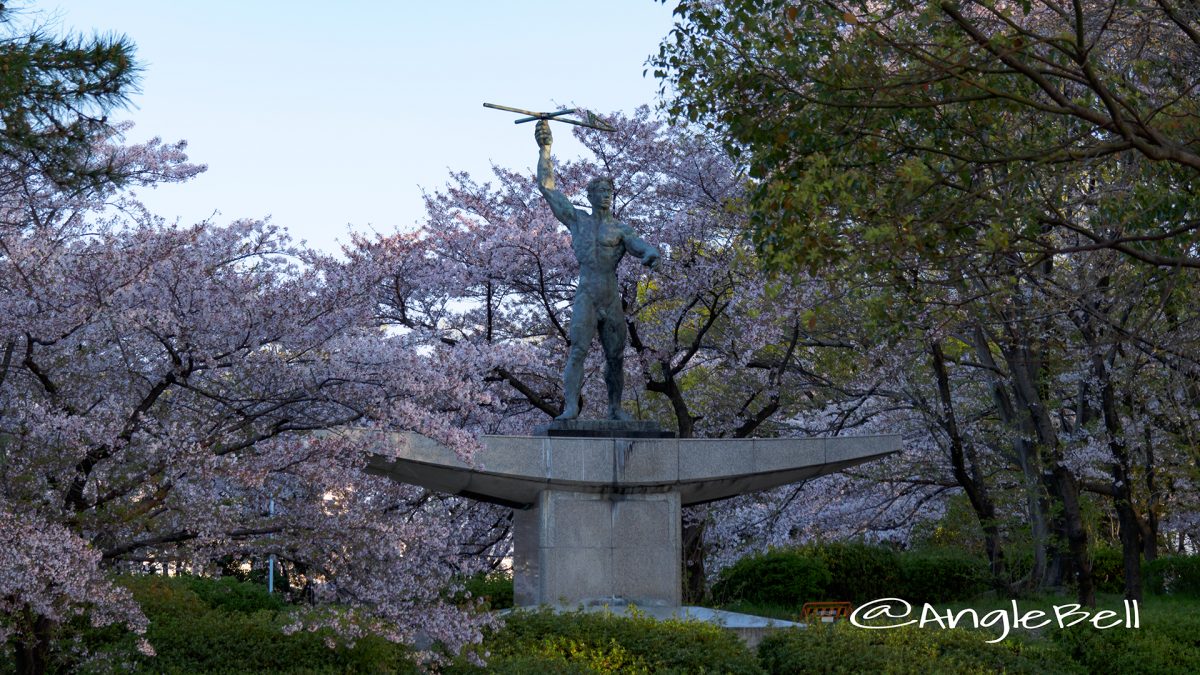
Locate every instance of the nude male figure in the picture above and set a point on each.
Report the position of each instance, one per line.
(599, 241)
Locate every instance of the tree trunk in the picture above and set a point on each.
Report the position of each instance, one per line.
(33, 648)
(1027, 458)
(1150, 533)
(1077, 537)
(970, 478)
(1127, 518)
(695, 580)
(1131, 548)
(1028, 380)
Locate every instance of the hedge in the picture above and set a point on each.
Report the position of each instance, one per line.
(941, 576)
(494, 588)
(200, 625)
(1173, 575)
(850, 572)
(781, 577)
(1108, 569)
(543, 641)
(1167, 642)
(843, 648)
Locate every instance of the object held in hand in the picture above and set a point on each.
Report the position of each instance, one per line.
(590, 121)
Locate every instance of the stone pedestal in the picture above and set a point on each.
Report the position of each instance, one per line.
(596, 520)
(588, 548)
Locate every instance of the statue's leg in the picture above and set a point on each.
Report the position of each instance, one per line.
(583, 328)
(612, 337)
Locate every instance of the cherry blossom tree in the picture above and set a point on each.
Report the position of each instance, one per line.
(160, 384)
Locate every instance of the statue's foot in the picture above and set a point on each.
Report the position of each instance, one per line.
(570, 413)
(618, 414)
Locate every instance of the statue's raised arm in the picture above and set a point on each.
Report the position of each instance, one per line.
(559, 204)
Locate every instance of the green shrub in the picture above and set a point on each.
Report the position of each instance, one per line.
(193, 630)
(941, 576)
(1108, 569)
(850, 571)
(844, 648)
(579, 642)
(957, 527)
(200, 625)
(1173, 575)
(496, 589)
(233, 595)
(557, 654)
(79, 647)
(1018, 562)
(859, 572)
(781, 577)
(1167, 642)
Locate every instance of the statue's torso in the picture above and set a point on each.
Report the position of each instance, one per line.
(598, 247)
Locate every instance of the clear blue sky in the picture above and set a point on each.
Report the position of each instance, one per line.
(334, 115)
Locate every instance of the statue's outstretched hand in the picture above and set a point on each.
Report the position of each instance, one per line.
(542, 133)
(650, 259)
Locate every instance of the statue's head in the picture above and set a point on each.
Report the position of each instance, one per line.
(600, 193)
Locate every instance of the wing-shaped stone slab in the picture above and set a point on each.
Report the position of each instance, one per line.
(513, 470)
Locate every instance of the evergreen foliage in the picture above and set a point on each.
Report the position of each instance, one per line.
(200, 625)
(1174, 575)
(579, 642)
(850, 572)
(495, 589)
(842, 648)
(55, 95)
(858, 572)
(783, 577)
(941, 576)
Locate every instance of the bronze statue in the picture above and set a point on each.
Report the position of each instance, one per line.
(599, 241)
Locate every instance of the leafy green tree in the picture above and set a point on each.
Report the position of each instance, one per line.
(962, 109)
(968, 162)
